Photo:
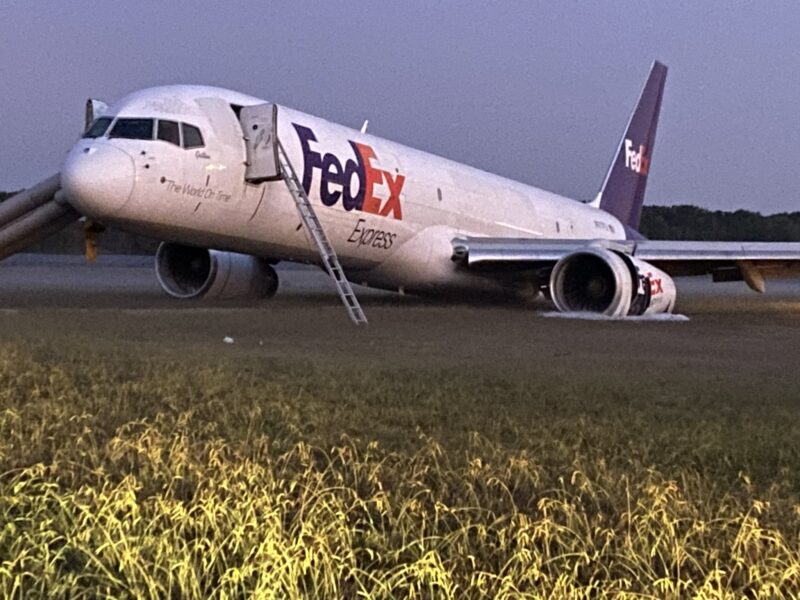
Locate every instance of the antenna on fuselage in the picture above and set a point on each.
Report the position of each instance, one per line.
(364, 126)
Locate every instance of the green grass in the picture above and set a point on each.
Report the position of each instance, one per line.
(157, 473)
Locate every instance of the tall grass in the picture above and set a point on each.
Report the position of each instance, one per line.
(138, 477)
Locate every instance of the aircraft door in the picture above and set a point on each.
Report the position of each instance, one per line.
(259, 124)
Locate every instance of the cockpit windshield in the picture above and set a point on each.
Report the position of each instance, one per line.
(178, 134)
(168, 132)
(98, 128)
(133, 129)
(192, 138)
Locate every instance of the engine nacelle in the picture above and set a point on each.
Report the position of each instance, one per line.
(186, 272)
(599, 280)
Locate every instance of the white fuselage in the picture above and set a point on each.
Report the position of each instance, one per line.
(413, 204)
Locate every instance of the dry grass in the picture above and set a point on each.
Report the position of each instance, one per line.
(125, 476)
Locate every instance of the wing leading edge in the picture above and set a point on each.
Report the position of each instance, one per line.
(752, 262)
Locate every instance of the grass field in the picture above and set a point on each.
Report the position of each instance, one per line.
(446, 452)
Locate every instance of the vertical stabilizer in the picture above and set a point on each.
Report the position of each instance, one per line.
(622, 193)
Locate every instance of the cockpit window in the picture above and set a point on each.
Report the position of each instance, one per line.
(98, 128)
(192, 138)
(132, 129)
(168, 132)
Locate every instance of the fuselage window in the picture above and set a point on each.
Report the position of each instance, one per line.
(98, 128)
(132, 129)
(168, 132)
(192, 138)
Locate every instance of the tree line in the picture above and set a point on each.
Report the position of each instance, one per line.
(679, 222)
(686, 222)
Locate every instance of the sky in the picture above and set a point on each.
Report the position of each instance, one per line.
(536, 91)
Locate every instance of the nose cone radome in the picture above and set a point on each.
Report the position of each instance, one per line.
(98, 179)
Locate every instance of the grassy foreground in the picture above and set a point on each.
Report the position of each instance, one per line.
(123, 476)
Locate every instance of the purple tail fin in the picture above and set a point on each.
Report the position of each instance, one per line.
(622, 193)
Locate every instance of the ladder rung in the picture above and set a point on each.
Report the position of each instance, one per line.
(314, 227)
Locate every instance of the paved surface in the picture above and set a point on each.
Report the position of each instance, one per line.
(31, 280)
(735, 343)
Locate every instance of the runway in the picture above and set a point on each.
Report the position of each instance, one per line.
(61, 281)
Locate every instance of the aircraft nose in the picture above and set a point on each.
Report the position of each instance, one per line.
(98, 179)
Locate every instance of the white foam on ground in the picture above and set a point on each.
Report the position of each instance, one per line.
(591, 316)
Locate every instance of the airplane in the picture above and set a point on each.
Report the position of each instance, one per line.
(234, 184)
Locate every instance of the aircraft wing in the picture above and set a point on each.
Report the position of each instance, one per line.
(725, 261)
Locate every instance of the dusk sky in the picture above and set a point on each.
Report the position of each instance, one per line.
(539, 92)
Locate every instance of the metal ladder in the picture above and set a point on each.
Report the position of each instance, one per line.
(314, 227)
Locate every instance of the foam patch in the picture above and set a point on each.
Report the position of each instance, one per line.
(591, 316)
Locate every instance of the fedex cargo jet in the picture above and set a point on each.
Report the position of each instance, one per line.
(233, 185)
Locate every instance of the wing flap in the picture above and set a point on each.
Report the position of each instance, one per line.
(716, 251)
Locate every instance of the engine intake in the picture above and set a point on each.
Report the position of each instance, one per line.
(599, 280)
(186, 272)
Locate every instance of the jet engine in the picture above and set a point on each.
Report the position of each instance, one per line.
(186, 272)
(599, 280)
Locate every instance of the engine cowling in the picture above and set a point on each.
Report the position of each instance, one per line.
(595, 279)
(186, 272)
